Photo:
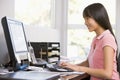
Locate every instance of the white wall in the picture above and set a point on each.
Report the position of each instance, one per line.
(41, 34)
(118, 22)
(6, 9)
(61, 23)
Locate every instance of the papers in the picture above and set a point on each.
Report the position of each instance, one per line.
(4, 71)
(34, 68)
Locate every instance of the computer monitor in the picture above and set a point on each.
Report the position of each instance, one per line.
(16, 43)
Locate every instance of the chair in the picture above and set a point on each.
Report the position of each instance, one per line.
(118, 63)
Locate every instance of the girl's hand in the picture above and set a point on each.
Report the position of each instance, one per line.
(64, 64)
(67, 65)
(70, 66)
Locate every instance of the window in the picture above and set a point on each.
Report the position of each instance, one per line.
(34, 12)
(79, 38)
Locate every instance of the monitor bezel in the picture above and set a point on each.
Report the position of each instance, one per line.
(15, 57)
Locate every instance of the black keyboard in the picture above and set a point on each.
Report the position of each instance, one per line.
(56, 68)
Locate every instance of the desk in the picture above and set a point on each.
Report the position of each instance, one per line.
(30, 75)
(76, 77)
(37, 75)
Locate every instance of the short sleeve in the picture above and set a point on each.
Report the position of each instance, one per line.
(109, 40)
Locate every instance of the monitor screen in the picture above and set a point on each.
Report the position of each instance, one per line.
(16, 40)
(18, 36)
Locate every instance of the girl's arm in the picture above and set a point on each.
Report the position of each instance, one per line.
(105, 73)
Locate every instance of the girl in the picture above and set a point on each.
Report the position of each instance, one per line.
(101, 62)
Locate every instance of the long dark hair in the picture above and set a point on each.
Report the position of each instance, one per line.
(98, 12)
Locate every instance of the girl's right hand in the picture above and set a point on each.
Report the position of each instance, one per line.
(66, 65)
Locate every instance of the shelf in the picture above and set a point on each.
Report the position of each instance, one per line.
(47, 49)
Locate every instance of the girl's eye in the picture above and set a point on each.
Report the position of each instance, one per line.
(87, 18)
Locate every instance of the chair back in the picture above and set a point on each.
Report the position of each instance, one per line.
(118, 62)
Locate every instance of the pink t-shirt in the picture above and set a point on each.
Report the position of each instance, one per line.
(95, 57)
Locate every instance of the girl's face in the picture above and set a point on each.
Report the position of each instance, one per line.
(91, 24)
